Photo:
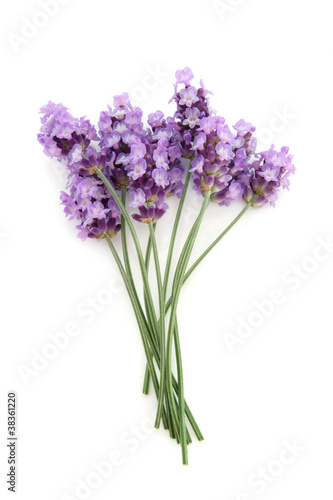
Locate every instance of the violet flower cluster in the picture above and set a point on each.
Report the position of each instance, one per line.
(125, 170)
(147, 159)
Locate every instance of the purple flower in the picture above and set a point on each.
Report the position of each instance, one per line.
(121, 100)
(199, 141)
(138, 198)
(150, 215)
(188, 96)
(277, 159)
(269, 172)
(174, 152)
(50, 147)
(133, 118)
(192, 117)
(96, 211)
(161, 159)
(225, 134)
(75, 155)
(139, 169)
(243, 127)
(160, 177)
(207, 124)
(184, 76)
(87, 188)
(197, 164)
(235, 190)
(138, 151)
(104, 121)
(224, 151)
(110, 140)
(155, 119)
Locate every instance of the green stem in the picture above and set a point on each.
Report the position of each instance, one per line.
(218, 239)
(169, 257)
(161, 326)
(136, 243)
(174, 232)
(172, 331)
(141, 324)
(123, 237)
(144, 330)
(145, 389)
(215, 242)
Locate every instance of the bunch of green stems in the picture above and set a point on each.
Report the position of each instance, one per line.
(158, 342)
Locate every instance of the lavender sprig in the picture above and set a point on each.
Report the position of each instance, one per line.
(125, 165)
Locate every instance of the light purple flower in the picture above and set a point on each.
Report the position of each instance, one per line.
(104, 121)
(199, 141)
(120, 127)
(184, 76)
(188, 96)
(87, 188)
(192, 117)
(121, 100)
(138, 198)
(109, 140)
(138, 151)
(235, 190)
(243, 127)
(224, 151)
(75, 154)
(155, 119)
(225, 134)
(133, 117)
(160, 177)
(96, 211)
(139, 169)
(197, 164)
(174, 153)
(270, 172)
(278, 159)
(161, 159)
(175, 174)
(64, 130)
(207, 124)
(50, 147)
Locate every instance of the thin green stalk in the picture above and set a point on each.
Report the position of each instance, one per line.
(169, 257)
(161, 326)
(174, 232)
(146, 381)
(215, 242)
(136, 243)
(139, 320)
(181, 408)
(172, 331)
(219, 238)
(123, 237)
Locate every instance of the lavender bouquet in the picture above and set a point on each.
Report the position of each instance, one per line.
(126, 163)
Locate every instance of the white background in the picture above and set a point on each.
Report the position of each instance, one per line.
(262, 60)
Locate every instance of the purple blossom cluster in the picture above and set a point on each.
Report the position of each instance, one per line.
(266, 174)
(147, 160)
(192, 106)
(221, 158)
